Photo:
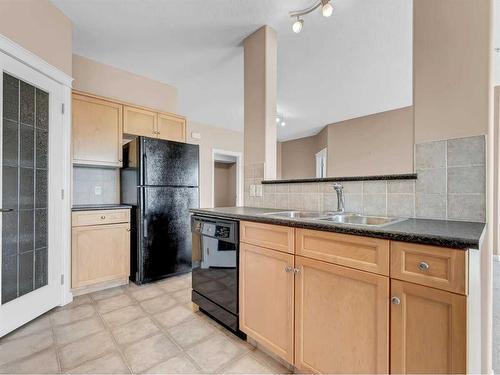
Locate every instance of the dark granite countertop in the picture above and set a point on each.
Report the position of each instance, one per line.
(406, 176)
(456, 234)
(95, 207)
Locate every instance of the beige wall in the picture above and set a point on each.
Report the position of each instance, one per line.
(105, 80)
(298, 158)
(39, 27)
(372, 145)
(212, 138)
(451, 74)
(260, 91)
(369, 145)
(224, 184)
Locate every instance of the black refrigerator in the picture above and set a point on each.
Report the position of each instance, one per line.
(159, 179)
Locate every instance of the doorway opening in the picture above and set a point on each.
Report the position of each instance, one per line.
(226, 179)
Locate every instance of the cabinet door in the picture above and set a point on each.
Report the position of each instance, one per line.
(100, 253)
(341, 319)
(138, 121)
(171, 128)
(428, 330)
(97, 131)
(266, 298)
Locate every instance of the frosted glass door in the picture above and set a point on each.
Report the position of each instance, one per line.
(24, 188)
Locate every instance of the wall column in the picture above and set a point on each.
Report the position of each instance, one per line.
(260, 81)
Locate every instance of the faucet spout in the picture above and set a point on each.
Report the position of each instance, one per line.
(339, 189)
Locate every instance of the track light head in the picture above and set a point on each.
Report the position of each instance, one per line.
(297, 25)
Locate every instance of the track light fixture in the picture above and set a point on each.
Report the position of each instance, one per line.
(326, 10)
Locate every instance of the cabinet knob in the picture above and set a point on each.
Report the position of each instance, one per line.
(103, 217)
(423, 266)
(128, 229)
(288, 268)
(296, 270)
(395, 301)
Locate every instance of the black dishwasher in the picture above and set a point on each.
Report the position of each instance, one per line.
(215, 269)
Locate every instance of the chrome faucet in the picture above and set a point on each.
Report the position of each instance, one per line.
(340, 197)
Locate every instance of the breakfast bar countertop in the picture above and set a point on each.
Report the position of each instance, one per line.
(445, 233)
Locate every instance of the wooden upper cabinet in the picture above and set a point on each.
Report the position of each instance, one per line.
(171, 128)
(341, 319)
(428, 330)
(137, 121)
(267, 298)
(97, 131)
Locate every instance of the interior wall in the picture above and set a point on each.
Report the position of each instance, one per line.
(297, 158)
(451, 55)
(224, 184)
(105, 80)
(372, 145)
(41, 28)
(212, 138)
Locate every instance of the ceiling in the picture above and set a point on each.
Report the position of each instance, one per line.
(355, 63)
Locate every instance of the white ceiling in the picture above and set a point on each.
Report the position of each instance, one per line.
(357, 62)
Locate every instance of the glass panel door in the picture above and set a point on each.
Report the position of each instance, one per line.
(25, 186)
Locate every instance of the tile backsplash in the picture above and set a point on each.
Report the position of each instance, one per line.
(450, 185)
(87, 179)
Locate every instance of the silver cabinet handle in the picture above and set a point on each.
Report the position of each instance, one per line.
(6, 210)
(395, 301)
(423, 266)
(288, 268)
(128, 229)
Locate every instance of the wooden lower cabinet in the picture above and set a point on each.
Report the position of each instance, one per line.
(267, 298)
(341, 319)
(428, 330)
(100, 253)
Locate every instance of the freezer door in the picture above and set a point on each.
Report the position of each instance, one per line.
(167, 163)
(166, 231)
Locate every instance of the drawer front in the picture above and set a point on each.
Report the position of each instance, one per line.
(363, 253)
(437, 267)
(274, 237)
(82, 218)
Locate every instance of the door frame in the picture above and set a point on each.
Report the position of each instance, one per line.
(239, 174)
(32, 61)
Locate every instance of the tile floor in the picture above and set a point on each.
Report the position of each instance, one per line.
(131, 329)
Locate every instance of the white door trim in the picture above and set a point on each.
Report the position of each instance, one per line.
(19, 53)
(28, 58)
(239, 174)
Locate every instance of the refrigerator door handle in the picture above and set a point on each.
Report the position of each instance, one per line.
(145, 226)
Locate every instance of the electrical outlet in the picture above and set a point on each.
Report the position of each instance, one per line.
(258, 190)
(252, 190)
(97, 190)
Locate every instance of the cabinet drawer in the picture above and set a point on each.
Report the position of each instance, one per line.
(82, 218)
(432, 266)
(364, 253)
(274, 237)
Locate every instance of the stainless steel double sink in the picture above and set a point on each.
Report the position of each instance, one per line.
(336, 217)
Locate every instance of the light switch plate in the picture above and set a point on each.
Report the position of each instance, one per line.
(252, 190)
(258, 190)
(97, 190)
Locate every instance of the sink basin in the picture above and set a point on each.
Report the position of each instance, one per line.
(299, 214)
(353, 219)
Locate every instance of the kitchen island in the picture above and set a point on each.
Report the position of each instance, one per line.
(336, 298)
